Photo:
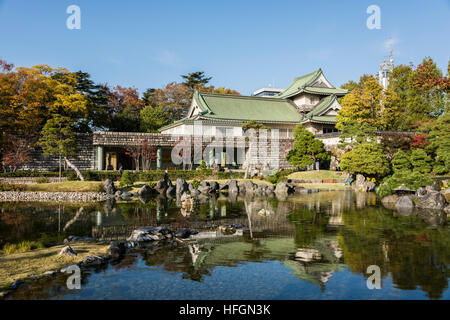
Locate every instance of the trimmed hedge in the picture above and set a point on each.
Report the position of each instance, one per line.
(32, 174)
(154, 175)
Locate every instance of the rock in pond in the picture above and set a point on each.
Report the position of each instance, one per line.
(283, 189)
(362, 184)
(185, 233)
(90, 261)
(404, 202)
(109, 187)
(147, 191)
(233, 186)
(181, 186)
(116, 249)
(171, 191)
(145, 234)
(432, 200)
(227, 229)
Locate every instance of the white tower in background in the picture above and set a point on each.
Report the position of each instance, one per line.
(386, 68)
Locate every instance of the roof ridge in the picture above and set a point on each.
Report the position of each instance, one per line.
(223, 95)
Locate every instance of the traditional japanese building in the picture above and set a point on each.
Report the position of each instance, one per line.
(310, 100)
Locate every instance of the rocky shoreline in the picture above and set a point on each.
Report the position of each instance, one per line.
(36, 196)
(142, 237)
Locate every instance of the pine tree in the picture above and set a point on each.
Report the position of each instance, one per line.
(307, 150)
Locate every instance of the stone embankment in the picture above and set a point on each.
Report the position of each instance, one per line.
(427, 202)
(54, 196)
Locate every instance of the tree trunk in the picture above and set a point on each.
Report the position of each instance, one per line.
(70, 164)
(59, 168)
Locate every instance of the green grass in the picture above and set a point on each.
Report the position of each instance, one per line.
(326, 186)
(314, 174)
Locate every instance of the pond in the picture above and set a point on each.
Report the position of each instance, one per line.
(313, 246)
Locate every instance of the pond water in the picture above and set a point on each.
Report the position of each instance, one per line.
(314, 246)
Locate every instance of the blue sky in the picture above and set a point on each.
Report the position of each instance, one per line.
(243, 45)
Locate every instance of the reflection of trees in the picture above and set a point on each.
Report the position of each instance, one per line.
(22, 221)
(309, 225)
(402, 246)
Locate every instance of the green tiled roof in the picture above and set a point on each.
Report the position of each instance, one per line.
(326, 91)
(245, 108)
(303, 84)
(322, 106)
(321, 119)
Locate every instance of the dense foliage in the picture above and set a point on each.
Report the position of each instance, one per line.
(307, 149)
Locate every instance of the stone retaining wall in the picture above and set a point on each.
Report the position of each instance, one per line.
(53, 196)
(84, 159)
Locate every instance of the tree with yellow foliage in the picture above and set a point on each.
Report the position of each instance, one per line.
(368, 103)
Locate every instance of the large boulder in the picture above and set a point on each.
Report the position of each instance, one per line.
(125, 196)
(116, 249)
(205, 189)
(171, 191)
(185, 233)
(223, 187)
(214, 186)
(90, 261)
(181, 186)
(146, 234)
(109, 187)
(361, 184)
(404, 202)
(249, 186)
(146, 191)
(283, 189)
(233, 186)
(432, 200)
(421, 192)
(68, 252)
(161, 186)
(389, 201)
(404, 205)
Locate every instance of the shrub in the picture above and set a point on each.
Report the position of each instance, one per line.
(279, 176)
(411, 179)
(127, 179)
(151, 175)
(195, 183)
(420, 161)
(23, 246)
(367, 159)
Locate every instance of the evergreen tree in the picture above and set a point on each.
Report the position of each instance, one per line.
(439, 138)
(307, 150)
(420, 161)
(366, 158)
(58, 139)
(195, 79)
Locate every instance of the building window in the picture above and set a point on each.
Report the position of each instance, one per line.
(330, 130)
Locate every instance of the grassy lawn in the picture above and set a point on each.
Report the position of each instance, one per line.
(36, 262)
(326, 186)
(313, 174)
(68, 186)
